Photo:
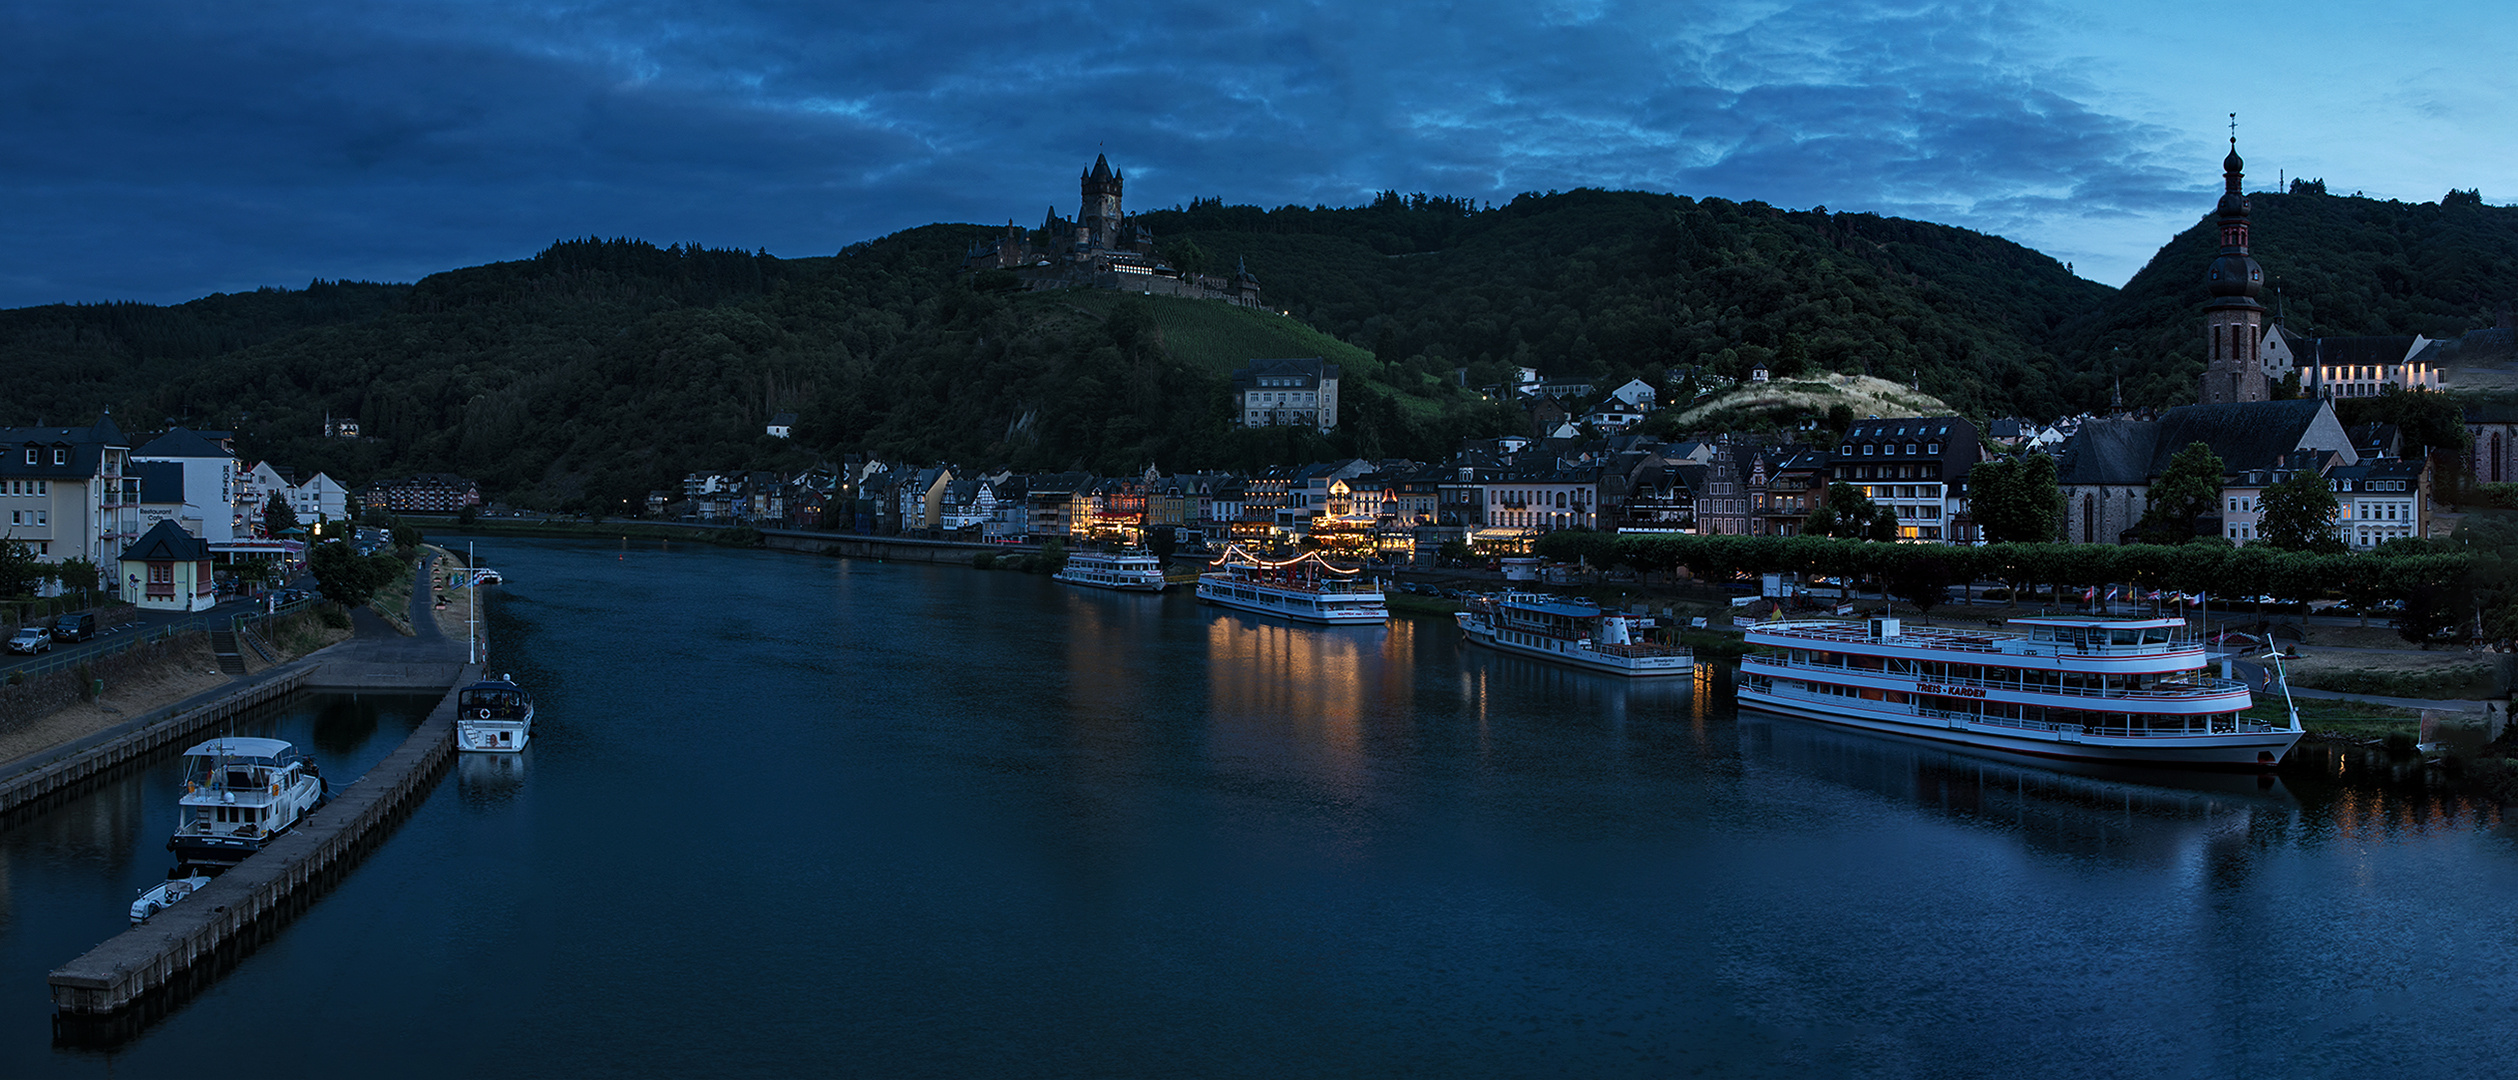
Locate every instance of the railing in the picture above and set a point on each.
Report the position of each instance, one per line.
(1942, 638)
(2206, 686)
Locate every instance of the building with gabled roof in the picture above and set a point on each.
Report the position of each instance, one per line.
(2107, 467)
(67, 492)
(1293, 392)
(168, 569)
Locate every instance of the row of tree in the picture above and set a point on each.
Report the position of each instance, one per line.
(2434, 587)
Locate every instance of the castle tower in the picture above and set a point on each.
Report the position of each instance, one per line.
(1100, 220)
(2233, 321)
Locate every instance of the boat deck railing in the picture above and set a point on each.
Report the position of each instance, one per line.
(2186, 689)
(1952, 639)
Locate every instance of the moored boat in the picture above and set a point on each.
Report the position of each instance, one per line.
(1130, 571)
(239, 793)
(166, 893)
(493, 716)
(1573, 632)
(1307, 588)
(2082, 688)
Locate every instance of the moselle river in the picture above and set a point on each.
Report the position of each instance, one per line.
(790, 815)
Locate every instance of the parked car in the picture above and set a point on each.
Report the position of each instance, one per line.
(31, 639)
(75, 626)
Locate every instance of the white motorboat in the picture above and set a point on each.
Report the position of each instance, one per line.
(239, 793)
(164, 896)
(493, 716)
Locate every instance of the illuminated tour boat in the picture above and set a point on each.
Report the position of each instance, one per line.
(1132, 571)
(1571, 632)
(238, 795)
(2090, 689)
(1306, 587)
(493, 716)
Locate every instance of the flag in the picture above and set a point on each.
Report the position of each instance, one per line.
(2111, 592)
(2090, 594)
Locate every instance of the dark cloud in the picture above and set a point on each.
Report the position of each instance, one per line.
(160, 151)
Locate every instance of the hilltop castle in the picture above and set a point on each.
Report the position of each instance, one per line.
(1102, 248)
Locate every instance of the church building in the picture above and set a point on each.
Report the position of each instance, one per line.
(2233, 322)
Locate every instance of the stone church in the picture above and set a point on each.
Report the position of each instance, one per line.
(2107, 468)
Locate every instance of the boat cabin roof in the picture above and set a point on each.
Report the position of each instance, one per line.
(2096, 622)
(265, 751)
(1553, 605)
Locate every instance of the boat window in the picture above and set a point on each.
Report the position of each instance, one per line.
(2122, 637)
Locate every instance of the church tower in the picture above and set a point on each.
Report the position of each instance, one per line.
(1100, 220)
(2233, 321)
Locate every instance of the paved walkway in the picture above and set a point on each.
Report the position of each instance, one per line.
(380, 657)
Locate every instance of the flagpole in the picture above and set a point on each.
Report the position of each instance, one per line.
(471, 607)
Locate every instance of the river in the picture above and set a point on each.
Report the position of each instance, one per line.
(787, 815)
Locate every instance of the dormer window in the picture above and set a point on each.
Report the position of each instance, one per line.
(60, 455)
(31, 453)
(1932, 448)
(1910, 449)
(1866, 449)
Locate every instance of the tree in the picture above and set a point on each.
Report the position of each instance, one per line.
(347, 578)
(79, 574)
(1162, 541)
(20, 571)
(2189, 489)
(277, 516)
(2299, 514)
(1922, 579)
(1848, 513)
(2016, 500)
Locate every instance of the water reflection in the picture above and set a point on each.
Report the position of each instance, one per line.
(2145, 818)
(490, 779)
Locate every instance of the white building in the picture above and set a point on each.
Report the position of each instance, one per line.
(213, 485)
(1287, 393)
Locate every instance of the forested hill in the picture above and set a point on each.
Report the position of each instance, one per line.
(1610, 284)
(599, 370)
(2335, 266)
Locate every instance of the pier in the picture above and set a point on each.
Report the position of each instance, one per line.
(894, 548)
(181, 947)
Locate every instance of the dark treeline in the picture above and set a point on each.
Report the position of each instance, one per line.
(2439, 582)
(599, 370)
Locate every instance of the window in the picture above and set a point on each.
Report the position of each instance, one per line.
(1866, 450)
(30, 455)
(1932, 448)
(60, 455)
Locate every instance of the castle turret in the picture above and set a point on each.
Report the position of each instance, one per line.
(1101, 216)
(2233, 320)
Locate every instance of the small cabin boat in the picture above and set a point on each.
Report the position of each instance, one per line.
(493, 716)
(238, 794)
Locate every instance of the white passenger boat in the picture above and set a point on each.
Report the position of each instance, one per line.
(1573, 632)
(238, 794)
(1306, 587)
(165, 894)
(1132, 571)
(493, 716)
(2087, 689)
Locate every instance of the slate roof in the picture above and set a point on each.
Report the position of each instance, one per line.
(2389, 349)
(160, 481)
(2109, 452)
(167, 542)
(2248, 435)
(87, 450)
(181, 443)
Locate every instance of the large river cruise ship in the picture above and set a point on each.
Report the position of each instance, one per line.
(1572, 632)
(1131, 571)
(1306, 587)
(2089, 689)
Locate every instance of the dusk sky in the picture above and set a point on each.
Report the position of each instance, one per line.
(163, 151)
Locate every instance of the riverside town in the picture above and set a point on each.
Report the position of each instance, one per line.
(1606, 632)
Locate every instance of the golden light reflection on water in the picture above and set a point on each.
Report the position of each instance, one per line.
(1312, 688)
(2378, 814)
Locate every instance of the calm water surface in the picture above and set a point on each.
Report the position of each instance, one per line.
(789, 815)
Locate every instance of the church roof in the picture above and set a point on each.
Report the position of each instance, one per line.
(2247, 435)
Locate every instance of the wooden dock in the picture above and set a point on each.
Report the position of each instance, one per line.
(77, 765)
(186, 944)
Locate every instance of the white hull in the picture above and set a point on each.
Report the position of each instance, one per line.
(493, 736)
(2247, 749)
(1575, 654)
(1368, 609)
(1120, 585)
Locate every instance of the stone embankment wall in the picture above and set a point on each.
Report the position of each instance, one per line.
(896, 548)
(51, 692)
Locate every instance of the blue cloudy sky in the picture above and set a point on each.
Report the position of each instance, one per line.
(161, 151)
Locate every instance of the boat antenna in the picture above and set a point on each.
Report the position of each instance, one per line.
(2284, 677)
